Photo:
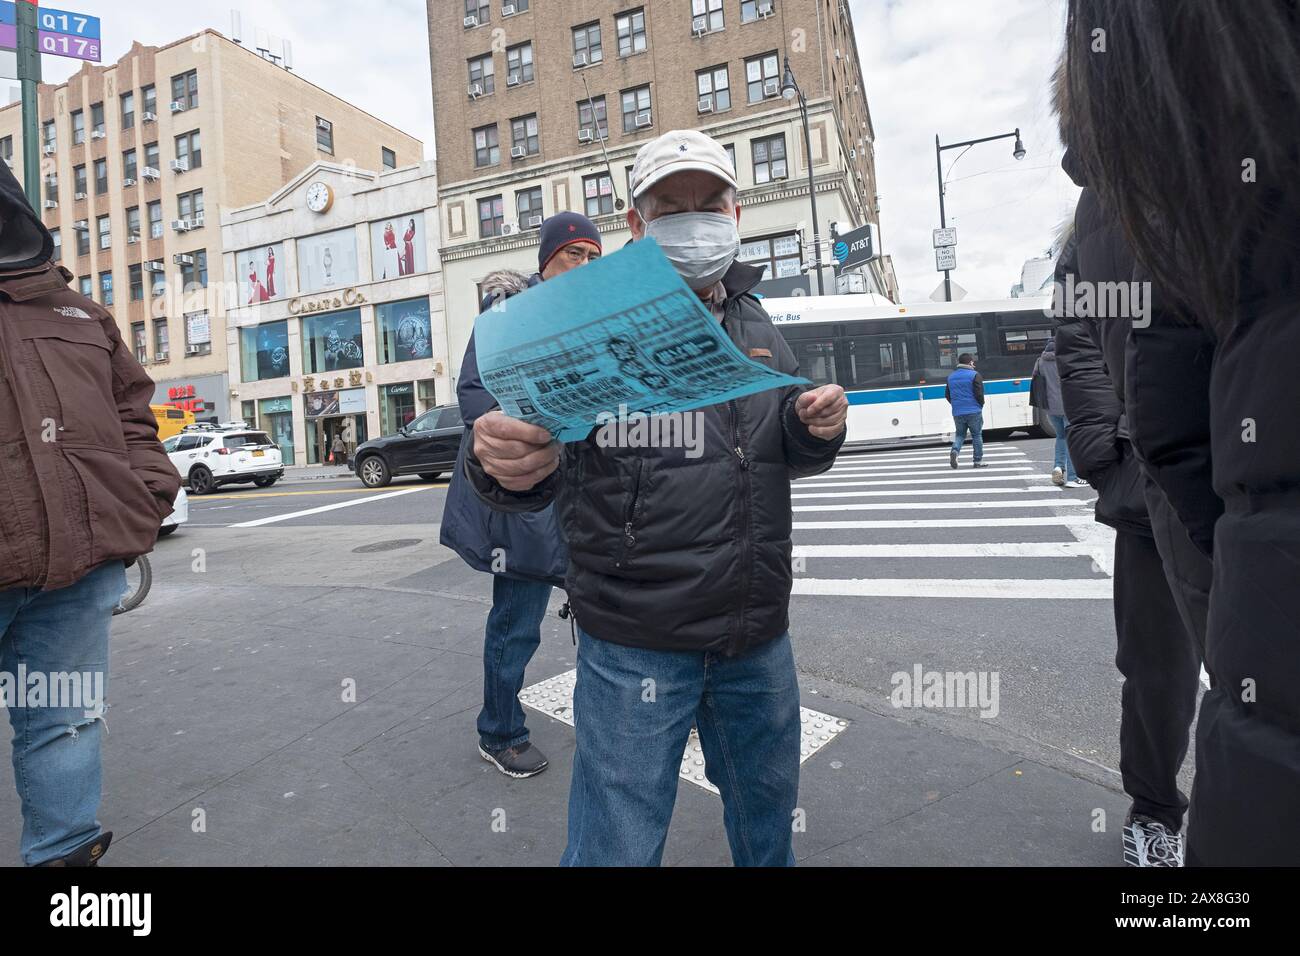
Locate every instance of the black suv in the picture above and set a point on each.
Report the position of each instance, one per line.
(426, 447)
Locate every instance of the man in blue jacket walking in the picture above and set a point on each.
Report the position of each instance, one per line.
(965, 393)
(524, 553)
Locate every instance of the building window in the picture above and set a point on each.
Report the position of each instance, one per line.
(97, 119)
(706, 15)
(135, 278)
(150, 99)
(83, 242)
(155, 220)
(106, 293)
(396, 406)
(480, 10)
(331, 342)
(139, 342)
(189, 149)
(264, 351)
(185, 89)
(198, 333)
(491, 217)
(195, 272)
(104, 225)
(487, 150)
(78, 127)
(630, 27)
(598, 194)
(521, 6)
(52, 188)
(387, 158)
(79, 181)
(129, 168)
(161, 339)
(58, 244)
(591, 117)
(128, 109)
(325, 135)
(159, 274)
(7, 148)
(714, 87)
(777, 256)
(190, 205)
(636, 109)
(49, 134)
(87, 286)
(528, 206)
(730, 150)
(133, 223)
(769, 159)
(404, 331)
(101, 176)
(763, 77)
(523, 133)
(750, 9)
(586, 45)
(519, 64)
(151, 156)
(482, 74)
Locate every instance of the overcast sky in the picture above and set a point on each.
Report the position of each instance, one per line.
(962, 69)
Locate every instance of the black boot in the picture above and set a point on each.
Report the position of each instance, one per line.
(88, 854)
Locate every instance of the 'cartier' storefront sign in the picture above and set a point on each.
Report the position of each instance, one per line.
(348, 297)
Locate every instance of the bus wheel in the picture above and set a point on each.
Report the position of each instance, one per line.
(1042, 427)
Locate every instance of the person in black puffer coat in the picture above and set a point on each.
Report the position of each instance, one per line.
(1155, 621)
(1210, 216)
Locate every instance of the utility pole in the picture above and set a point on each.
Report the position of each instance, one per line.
(29, 76)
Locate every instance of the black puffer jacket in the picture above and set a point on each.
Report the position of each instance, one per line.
(676, 553)
(1090, 354)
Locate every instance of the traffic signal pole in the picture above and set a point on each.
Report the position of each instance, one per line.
(29, 76)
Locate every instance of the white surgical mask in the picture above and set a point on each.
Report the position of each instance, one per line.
(700, 245)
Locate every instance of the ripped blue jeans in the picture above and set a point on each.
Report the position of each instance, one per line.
(53, 679)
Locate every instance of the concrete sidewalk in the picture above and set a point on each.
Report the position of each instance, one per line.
(232, 743)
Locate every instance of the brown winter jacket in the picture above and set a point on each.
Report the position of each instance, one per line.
(83, 479)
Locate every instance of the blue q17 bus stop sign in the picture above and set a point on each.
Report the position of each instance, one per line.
(61, 33)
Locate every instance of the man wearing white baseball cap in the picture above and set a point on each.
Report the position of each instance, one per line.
(679, 565)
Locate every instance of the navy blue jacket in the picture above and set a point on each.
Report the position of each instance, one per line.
(527, 546)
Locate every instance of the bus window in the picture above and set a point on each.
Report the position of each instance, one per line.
(876, 361)
(940, 350)
(816, 358)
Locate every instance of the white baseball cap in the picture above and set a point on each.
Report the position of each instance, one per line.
(678, 151)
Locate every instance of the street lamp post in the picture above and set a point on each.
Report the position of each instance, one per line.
(1018, 153)
(790, 90)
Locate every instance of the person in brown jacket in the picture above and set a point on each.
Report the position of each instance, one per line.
(84, 484)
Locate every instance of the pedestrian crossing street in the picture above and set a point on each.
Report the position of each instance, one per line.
(905, 524)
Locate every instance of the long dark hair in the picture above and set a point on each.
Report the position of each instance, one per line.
(1166, 121)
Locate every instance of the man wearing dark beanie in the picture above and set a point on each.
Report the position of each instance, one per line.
(524, 553)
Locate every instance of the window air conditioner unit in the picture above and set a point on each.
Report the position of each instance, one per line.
(181, 259)
(534, 222)
(470, 22)
(706, 104)
(196, 222)
(513, 79)
(579, 60)
(51, 204)
(771, 87)
(78, 196)
(700, 26)
(765, 9)
(518, 152)
(160, 357)
(643, 119)
(148, 116)
(509, 228)
(180, 165)
(132, 239)
(177, 106)
(154, 265)
(98, 134)
(181, 225)
(194, 350)
(585, 136)
(508, 10)
(49, 149)
(128, 182)
(149, 173)
(475, 91)
(82, 225)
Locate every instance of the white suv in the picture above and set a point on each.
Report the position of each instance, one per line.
(208, 456)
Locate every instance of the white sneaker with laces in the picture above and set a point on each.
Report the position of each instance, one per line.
(1078, 483)
(1058, 477)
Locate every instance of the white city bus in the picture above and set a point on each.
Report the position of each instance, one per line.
(894, 360)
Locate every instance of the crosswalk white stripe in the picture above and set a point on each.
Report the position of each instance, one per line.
(912, 492)
(1002, 549)
(844, 460)
(936, 466)
(1057, 520)
(939, 505)
(895, 480)
(991, 470)
(1003, 588)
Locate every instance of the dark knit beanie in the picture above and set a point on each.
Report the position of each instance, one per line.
(561, 230)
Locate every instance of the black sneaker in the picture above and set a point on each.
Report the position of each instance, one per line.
(1148, 842)
(521, 761)
(952, 458)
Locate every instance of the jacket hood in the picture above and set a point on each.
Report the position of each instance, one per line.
(505, 282)
(24, 241)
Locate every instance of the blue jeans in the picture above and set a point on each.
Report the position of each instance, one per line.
(975, 424)
(633, 711)
(1061, 426)
(514, 629)
(56, 749)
